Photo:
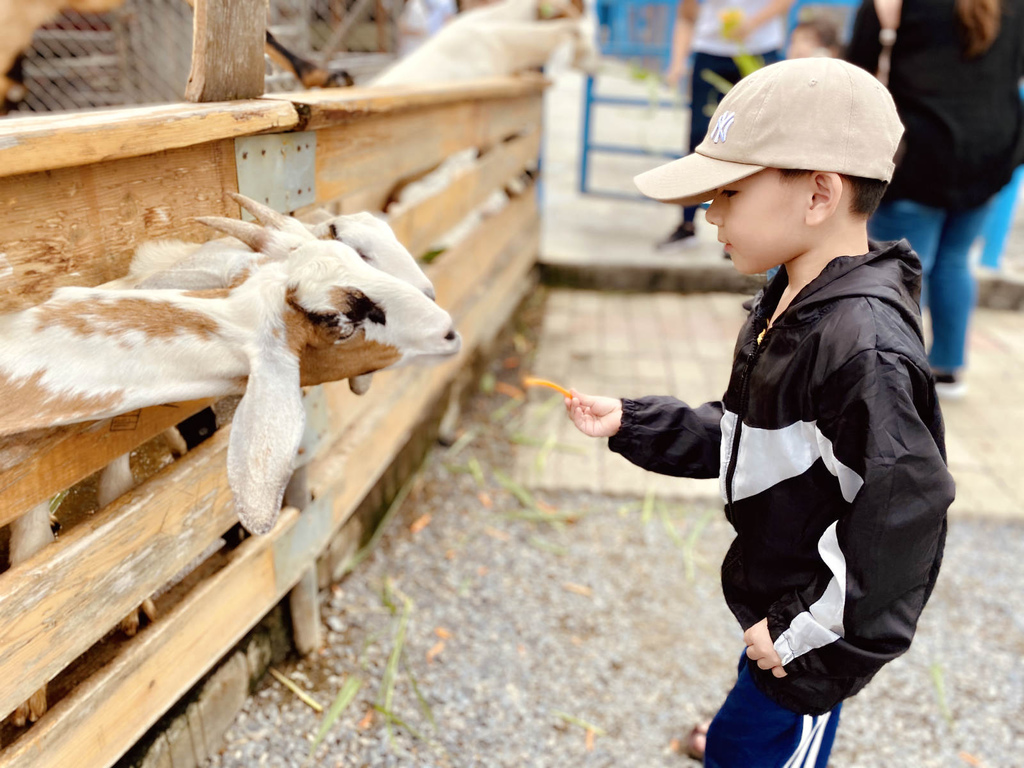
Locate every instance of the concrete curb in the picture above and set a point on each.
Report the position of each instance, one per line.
(690, 278)
(995, 290)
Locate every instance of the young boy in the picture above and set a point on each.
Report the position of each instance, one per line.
(828, 444)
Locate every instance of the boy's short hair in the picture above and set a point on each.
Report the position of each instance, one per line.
(818, 113)
(866, 194)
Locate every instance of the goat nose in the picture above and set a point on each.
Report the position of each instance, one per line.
(451, 335)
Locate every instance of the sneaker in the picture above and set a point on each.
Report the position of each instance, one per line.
(949, 386)
(684, 236)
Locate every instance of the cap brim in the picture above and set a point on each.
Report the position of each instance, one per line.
(692, 179)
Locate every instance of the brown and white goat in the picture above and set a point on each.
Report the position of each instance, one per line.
(314, 312)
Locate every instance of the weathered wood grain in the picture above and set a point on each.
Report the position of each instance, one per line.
(333, 106)
(374, 154)
(44, 143)
(35, 466)
(227, 50)
(419, 226)
(80, 226)
(108, 713)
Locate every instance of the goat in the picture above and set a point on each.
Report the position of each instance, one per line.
(502, 38)
(221, 263)
(314, 312)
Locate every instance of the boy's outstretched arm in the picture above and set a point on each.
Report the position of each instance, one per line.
(879, 421)
(660, 434)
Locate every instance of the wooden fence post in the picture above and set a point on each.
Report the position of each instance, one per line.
(227, 50)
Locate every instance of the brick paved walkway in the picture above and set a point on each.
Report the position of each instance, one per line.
(626, 345)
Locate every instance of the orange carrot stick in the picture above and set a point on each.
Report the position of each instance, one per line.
(531, 381)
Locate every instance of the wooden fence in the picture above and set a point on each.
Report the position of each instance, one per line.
(77, 195)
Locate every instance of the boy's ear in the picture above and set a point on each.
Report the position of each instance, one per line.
(827, 193)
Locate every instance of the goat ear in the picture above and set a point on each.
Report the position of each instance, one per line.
(265, 435)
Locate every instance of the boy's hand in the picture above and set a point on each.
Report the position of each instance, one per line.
(594, 416)
(761, 649)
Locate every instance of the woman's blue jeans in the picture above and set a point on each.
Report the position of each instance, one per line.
(942, 240)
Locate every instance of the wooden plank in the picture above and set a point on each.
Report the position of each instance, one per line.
(61, 601)
(373, 155)
(419, 226)
(107, 714)
(80, 226)
(37, 465)
(43, 143)
(227, 50)
(66, 597)
(103, 717)
(331, 106)
(467, 263)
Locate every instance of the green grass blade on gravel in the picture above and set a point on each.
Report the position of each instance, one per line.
(291, 686)
(464, 440)
(502, 413)
(541, 459)
(477, 472)
(367, 548)
(670, 526)
(522, 495)
(345, 697)
(648, 507)
(547, 546)
(387, 685)
(690, 546)
(424, 704)
(577, 721)
(939, 682)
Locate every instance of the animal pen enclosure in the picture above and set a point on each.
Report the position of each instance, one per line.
(78, 194)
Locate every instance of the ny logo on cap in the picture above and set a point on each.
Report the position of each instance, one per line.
(725, 121)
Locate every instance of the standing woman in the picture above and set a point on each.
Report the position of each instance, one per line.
(954, 74)
(758, 28)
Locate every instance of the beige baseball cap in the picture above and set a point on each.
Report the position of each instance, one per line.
(814, 114)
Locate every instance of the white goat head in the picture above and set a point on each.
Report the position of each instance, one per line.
(313, 311)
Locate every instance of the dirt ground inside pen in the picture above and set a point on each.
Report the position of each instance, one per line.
(495, 626)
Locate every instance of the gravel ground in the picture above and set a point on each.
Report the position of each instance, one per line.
(513, 636)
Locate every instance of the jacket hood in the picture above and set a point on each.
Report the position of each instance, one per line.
(889, 272)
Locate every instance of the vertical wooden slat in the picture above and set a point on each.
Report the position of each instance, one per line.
(227, 50)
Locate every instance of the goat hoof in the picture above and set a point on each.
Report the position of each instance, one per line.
(130, 623)
(31, 710)
(149, 608)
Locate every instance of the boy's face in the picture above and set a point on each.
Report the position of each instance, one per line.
(760, 220)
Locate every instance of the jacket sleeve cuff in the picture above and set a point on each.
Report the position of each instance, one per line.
(624, 440)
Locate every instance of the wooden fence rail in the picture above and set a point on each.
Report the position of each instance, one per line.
(77, 196)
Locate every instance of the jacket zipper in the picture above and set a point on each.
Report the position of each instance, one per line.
(744, 403)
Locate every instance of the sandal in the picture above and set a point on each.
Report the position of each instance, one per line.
(696, 741)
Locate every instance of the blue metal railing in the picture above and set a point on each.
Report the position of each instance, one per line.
(640, 30)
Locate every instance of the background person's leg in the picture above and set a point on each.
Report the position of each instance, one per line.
(920, 225)
(953, 290)
(704, 98)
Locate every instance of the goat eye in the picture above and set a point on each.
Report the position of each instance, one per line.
(363, 255)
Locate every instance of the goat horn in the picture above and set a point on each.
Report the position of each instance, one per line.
(251, 234)
(264, 214)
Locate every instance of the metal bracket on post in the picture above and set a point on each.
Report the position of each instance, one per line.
(277, 169)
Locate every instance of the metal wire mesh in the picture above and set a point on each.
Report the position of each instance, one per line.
(140, 52)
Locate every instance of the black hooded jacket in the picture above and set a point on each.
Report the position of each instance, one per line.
(829, 449)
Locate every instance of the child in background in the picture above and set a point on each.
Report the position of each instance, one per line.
(816, 36)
